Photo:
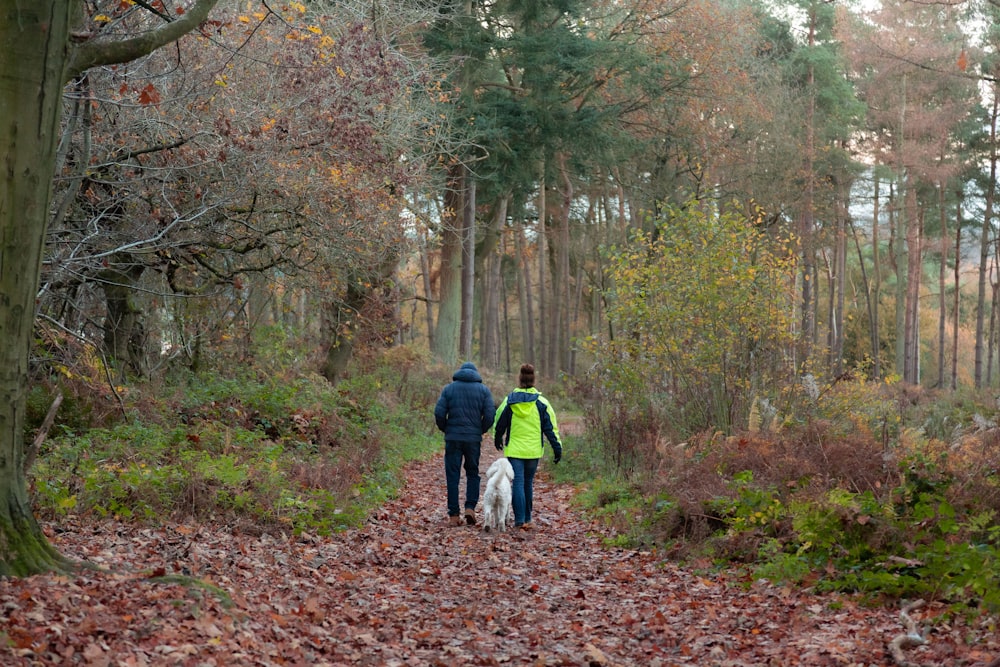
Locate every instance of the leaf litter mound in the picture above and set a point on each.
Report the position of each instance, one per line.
(407, 589)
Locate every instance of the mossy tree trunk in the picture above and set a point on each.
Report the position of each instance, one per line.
(124, 325)
(343, 319)
(40, 53)
(35, 38)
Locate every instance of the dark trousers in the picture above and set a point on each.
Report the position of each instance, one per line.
(455, 451)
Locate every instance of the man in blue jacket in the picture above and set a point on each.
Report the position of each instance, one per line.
(464, 412)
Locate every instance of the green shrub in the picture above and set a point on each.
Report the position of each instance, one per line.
(292, 452)
(849, 541)
(693, 342)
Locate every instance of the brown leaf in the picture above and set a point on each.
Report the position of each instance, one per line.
(405, 589)
(149, 96)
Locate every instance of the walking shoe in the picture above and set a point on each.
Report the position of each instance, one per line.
(526, 525)
(454, 520)
(470, 516)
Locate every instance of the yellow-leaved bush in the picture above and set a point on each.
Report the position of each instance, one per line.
(701, 315)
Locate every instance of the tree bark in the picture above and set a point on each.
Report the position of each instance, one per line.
(831, 298)
(505, 305)
(563, 299)
(807, 223)
(986, 238)
(344, 316)
(843, 219)
(490, 327)
(870, 299)
(425, 270)
(36, 61)
(341, 325)
(914, 252)
(991, 335)
(544, 302)
(904, 225)
(526, 305)
(942, 285)
(468, 264)
(956, 307)
(838, 285)
(124, 327)
(449, 319)
(897, 255)
(876, 288)
(32, 74)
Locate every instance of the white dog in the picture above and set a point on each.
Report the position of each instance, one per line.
(496, 502)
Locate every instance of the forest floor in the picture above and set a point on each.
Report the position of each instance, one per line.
(407, 589)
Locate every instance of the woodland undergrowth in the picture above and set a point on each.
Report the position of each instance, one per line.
(853, 485)
(266, 447)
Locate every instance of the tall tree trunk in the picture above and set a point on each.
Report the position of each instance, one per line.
(425, 270)
(870, 299)
(942, 285)
(831, 300)
(468, 265)
(897, 254)
(843, 219)
(994, 277)
(525, 300)
(807, 224)
(992, 333)
(36, 61)
(124, 328)
(505, 320)
(986, 238)
(617, 224)
(956, 306)
(489, 346)
(838, 285)
(260, 299)
(914, 242)
(876, 288)
(449, 322)
(905, 222)
(341, 323)
(34, 38)
(580, 279)
(344, 317)
(490, 328)
(544, 301)
(562, 285)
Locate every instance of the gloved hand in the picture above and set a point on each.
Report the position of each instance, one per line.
(498, 445)
(558, 455)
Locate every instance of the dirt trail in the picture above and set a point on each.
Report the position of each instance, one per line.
(406, 589)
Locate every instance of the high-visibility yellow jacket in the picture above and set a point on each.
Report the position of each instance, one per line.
(523, 419)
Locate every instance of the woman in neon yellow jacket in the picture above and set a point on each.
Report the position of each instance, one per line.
(524, 420)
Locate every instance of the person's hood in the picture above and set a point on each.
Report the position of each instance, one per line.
(522, 396)
(467, 373)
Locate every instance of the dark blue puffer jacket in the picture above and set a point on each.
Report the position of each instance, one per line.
(465, 409)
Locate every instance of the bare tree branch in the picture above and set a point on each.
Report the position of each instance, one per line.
(43, 431)
(94, 53)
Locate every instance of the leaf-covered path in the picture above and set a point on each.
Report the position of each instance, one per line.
(406, 589)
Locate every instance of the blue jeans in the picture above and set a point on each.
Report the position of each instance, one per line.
(454, 452)
(522, 490)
